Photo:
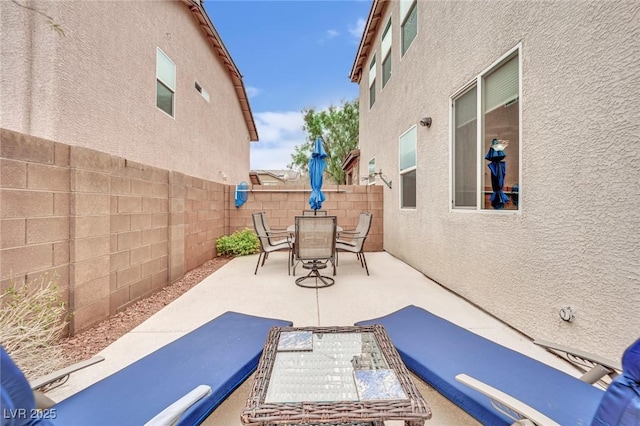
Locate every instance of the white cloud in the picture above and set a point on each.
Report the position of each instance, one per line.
(357, 29)
(279, 133)
(331, 33)
(252, 91)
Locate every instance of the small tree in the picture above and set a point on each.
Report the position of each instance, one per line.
(338, 127)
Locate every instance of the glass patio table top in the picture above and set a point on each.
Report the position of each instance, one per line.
(328, 375)
(292, 229)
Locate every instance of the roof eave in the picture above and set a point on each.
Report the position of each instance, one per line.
(377, 9)
(198, 11)
(351, 157)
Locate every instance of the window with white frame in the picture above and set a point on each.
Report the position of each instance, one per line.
(386, 53)
(372, 81)
(372, 170)
(486, 113)
(408, 144)
(165, 82)
(409, 22)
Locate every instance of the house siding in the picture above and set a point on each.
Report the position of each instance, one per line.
(95, 87)
(575, 240)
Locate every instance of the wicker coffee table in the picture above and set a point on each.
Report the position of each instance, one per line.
(332, 376)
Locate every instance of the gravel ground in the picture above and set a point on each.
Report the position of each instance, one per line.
(89, 342)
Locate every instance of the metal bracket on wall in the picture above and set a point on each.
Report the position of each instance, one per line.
(379, 173)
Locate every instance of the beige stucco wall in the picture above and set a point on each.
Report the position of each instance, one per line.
(95, 87)
(575, 241)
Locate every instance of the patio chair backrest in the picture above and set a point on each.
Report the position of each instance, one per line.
(315, 237)
(314, 212)
(265, 225)
(364, 222)
(362, 230)
(261, 231)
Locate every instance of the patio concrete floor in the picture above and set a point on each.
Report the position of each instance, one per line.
(272, 293)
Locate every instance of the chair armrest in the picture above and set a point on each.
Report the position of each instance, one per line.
(358, 238)
(63, 374)
(597, 367)
(511, 407)
(278, 231)
(171, 414)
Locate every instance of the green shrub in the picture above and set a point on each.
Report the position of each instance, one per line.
(32, 320)
(240, 243)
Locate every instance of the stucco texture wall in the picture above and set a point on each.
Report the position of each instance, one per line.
(575, 240)
(95, 87)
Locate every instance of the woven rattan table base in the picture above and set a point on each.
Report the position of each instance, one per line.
(257, 412)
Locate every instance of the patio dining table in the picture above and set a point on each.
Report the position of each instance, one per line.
(292, 229)
(349, 375)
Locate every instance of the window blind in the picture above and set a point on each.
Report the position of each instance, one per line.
(502, 85)
(466, 108)
(166, 70)
(405, 6)
(408, 149)
(372, 71)
(386, 40)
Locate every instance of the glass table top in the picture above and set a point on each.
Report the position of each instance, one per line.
(333, 367)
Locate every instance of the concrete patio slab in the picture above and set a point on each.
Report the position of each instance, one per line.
(392, 284)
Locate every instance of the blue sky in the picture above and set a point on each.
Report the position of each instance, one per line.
(292, 54)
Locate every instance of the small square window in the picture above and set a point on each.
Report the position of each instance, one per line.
(203, 92)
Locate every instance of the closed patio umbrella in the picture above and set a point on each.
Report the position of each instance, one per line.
(498, 170)
(316, 170)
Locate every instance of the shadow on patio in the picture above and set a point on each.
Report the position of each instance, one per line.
(272, 293)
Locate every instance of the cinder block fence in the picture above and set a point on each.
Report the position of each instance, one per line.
(116, 231)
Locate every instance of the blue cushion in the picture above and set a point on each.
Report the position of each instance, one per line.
(222, 354)
(17, 403)
(621, 402)
(437, 350)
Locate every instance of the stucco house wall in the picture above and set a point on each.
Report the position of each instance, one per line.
(95, 86)
(574, 242)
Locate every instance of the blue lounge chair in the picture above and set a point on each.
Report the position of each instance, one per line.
(437, 351)
(180, 383)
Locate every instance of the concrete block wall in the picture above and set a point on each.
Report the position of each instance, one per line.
(283, 203)
(34, 210)
(204, 219)
(116, 231)
(139, 235)
(90, 205)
